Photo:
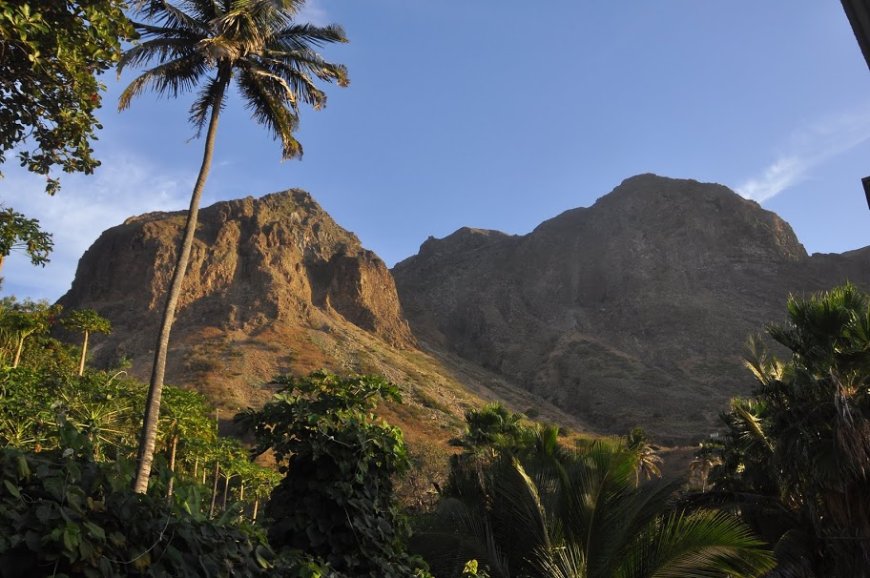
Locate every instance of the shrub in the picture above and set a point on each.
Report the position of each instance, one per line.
(64, 514)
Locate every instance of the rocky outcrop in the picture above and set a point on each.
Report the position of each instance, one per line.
(633, 311)
(271, 282)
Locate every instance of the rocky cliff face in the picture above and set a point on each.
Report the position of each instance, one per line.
(274, 285)
(255, 263)
(631, 312)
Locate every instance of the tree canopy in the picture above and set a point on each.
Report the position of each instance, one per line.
(18, 232)
(797, 453)
(50, 54)
(336, 501)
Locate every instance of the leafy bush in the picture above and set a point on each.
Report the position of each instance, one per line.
(336, 502)
(64, 514)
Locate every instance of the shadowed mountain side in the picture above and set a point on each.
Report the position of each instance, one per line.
(634, 311)
(274, 286)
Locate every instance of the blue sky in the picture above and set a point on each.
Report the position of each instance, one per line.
(500, 114)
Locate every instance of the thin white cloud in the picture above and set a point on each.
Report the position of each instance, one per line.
(808, 148)
(86, 205)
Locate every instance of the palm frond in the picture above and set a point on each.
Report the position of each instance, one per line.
(302, 36)
(518, 495)
(205, 10)
(751, 420)
(171, 78)
(627, 515)
(212, 95)
(159, 49)
(305, 61)
(300, 84)
(275, 112)
(563, 561)
(170, 17)
(702, 544)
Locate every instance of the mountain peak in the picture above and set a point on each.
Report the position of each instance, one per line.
(628, 312)
(277, 265)
(685, 219)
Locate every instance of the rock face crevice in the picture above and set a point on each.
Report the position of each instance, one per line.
(633, 311)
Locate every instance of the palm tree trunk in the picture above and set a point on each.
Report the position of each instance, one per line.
(84, 354)
(171, 484)
(226, 491)
(148, 437)
(214, 488)
(18, 352)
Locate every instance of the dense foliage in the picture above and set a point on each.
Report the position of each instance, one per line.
(538, 509)
(41, 389)
(67, 443)
(87, 321)
(62, 513)
(50, 53)
(336, 501)
(796, 455)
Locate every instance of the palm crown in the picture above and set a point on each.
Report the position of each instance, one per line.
(210, 43)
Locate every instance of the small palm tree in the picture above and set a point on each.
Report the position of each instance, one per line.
(648, 461)
(580, 516)
(209, 44)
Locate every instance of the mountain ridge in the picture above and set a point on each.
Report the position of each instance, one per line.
(605, 310)
(632, 311)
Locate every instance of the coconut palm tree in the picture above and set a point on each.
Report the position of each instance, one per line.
(209, 45)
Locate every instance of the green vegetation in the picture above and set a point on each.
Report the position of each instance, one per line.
(50, 54)
(515, 501)
(795, 458)
(62, 513)
(87, 321)
(527, 506)
(17, 232)
(67, 447)
(19, 321)
(273, 61)
(336, 501)
(85, 490)
(331, 509)
(67, 443)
